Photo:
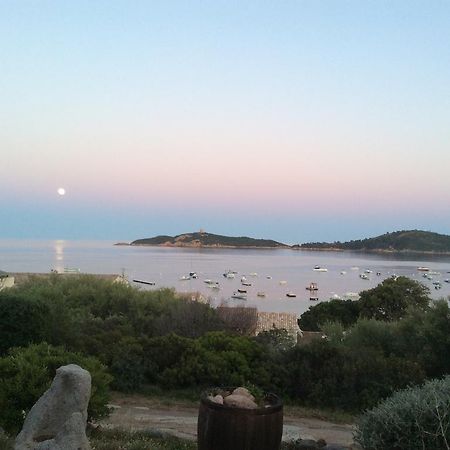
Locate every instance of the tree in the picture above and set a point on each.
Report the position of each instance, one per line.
(26, 373)
(392, 298)
(22, 320)
(344, 311)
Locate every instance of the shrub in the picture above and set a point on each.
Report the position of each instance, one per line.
(26, 373)
(414, 418)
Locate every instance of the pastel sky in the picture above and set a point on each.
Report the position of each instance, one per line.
(293, 120)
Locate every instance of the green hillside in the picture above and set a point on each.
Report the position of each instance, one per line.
(201, 239)
(412, 241)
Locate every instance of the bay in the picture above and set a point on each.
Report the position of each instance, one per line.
(264, 269)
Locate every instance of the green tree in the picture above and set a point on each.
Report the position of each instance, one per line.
(22, 320)
(26, 373)
(392, 298)
(344, 311)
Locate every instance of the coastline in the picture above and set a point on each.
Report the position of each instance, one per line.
(290, 247)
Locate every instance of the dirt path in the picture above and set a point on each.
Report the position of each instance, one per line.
(139, 412)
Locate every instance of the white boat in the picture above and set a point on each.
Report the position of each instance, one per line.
(243, 278)
(291, 295)
(268, 277)
(423, 269)
(283, 282)
(363, 276)
(239, 296)
(368, 271)
(260, 294)
(246, 283)
(185, 278)
(343, 272)
(253, 274)
(193, 275)
(320, 269)
(229, 274)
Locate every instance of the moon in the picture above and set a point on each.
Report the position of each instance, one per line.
(61, 191)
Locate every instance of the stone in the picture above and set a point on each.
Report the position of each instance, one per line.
(334, 447)
(243, 391)
(239, 401)
(321, 442)
(216, 399)
(57, 421)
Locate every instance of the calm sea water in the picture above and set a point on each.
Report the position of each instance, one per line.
(165, 266)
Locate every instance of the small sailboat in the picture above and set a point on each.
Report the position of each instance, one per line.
(312, 287)
(291, 294)
(320, 269)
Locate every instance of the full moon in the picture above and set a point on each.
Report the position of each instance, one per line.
(61, 191)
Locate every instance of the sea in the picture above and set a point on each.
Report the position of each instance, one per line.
(272, 272)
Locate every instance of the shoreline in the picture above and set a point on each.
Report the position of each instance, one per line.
(292, 247)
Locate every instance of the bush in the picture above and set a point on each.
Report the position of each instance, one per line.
(26, 373)
(415, 418)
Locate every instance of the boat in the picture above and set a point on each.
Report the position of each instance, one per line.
(193, 275)
(151, 283)
(229, 274)
(268, 277)
(320, 269)
(210, 282)
(214, 286)
(242, 291)
(378, 273)
(312, 287)
(246, 283)
(185, 278)
(368, 271)
(291, 295)
(423, 269)
(283, 282)
(253, 274)
(243, 278)
(260, 294)
(239, 296)
(343, 272)
(363, 276)
(313, 298)
(447, 280)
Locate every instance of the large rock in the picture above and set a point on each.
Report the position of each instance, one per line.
(58, 419)
(239, 401)
(243, 391)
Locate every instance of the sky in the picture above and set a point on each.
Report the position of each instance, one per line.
(296, 121)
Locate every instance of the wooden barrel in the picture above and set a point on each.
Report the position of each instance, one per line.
(225, 428)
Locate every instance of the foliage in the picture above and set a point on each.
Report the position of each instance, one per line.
(327, 375)
(208, 239)
(411, 240)
(415, 418)
(22, 320)
(26, 373)
(392, 298)
(6, 443)
(344, 311)
(118, 439)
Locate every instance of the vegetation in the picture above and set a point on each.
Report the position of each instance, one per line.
(26, 373)
(390, 300)
(398, 241)
(416, 418)
(202, 239)
(392, 338)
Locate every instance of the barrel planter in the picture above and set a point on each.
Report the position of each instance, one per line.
(223, 427)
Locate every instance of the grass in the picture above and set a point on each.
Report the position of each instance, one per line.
(6, 443)
(137, 440)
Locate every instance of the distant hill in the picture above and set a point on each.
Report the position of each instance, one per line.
(201, 239)
(397, 241)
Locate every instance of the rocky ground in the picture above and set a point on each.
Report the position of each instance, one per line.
(138, 412)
